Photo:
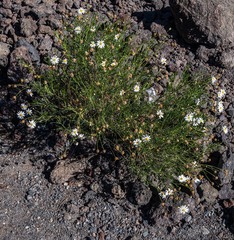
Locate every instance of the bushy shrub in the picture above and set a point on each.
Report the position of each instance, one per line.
(102, 88)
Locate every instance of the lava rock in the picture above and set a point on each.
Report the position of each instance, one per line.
(209, 193)
(226, 192)
(141, 194)
(46, 44)
(17, 70)
(6, 4)
(204, 53)
(28, 27)
(230, 111)
(226, 58)
(31, 49)
(4, 54)
(43, 10)
(32, 3)
(203, 21)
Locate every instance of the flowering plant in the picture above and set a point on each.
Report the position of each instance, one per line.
(102, 88)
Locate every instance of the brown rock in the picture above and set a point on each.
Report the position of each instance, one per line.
(209, 193)
(6, 4)
(65, 170)
(43, 10)
(32, 3)
(46, 44)
(45, 30)
(3, 38)
(6, 12)
(4, 54)
(28, 27)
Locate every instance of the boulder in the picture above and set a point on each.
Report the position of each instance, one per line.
(206, 22)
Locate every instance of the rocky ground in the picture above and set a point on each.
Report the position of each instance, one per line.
(90, 196)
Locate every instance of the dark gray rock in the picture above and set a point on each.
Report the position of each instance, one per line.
(208, 22)
(28, 27)
(159, 4)
(141, 194)
(226, 58)
(230, 111)
(46, 44)
(31, 49)
(204, 53)
(17, 70)
(4, 54)
(226, 192)
(158, 29)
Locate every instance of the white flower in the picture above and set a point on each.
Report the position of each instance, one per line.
(166, 193)
(194, 164)
(54, 60)
(20, 115)
(137, 88)
(117, 36)
(81, 11)
(77, 30)
(64, 61)
(29, 111)
(160, 114)
(151, 94)
(197, 121)
(213, 80)
(189, 117)
(121, 93)
(220, 107)
(198, 101)
(23, 106)
(169, 192)
(103, 63)
(100, 44)
(197, 181)
(163, 61)
(114, 63)
(183, 209)
(200, 120)
(137, 142)
(74, 132)
(93, 29)
(163, 195)
(31, 124)
(225, 129)
(182, 178)
(146, 138)
(92, 44)
(29, 92)
(221, 93)
(81, 136)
